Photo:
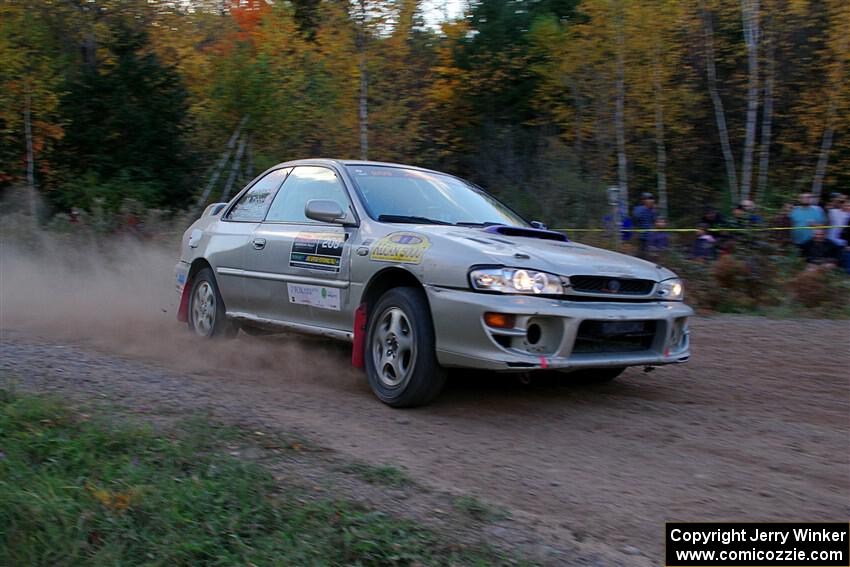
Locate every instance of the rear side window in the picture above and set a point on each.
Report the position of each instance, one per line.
(252, 206)
(306, 183)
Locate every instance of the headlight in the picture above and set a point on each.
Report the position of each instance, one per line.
(514, 280)
(672, 290)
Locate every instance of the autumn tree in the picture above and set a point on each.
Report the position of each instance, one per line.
(29, 96)
(125, 132)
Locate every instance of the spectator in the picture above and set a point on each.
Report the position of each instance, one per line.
(711, 218)
(835, 201)
(658, 242)
(644, 218)
(749, 208)
(803, 216)
(839, 217)
(745, 221)
(820, 251)
(624, 223)
(783, 220)
(703, 248)
(845, 236)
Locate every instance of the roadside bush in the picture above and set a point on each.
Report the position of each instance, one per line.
(734, 284)
(823, 288)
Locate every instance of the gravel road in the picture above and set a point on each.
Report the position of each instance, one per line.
(755, 427)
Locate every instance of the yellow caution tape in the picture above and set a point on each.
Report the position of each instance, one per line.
(716, 229)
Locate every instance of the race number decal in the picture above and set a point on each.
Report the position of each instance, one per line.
(401, 247)
(314, 295)
(317, 251)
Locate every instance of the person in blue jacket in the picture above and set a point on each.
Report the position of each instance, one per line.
(803, 216)
(644, 217)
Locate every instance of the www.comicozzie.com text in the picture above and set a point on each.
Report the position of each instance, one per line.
(726, 536)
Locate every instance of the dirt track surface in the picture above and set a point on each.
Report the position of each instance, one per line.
(755, 427)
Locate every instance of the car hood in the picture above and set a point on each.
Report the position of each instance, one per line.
(475, 246)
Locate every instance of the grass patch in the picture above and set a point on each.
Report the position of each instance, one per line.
(473, 507)
(78, 490)
(384, 475)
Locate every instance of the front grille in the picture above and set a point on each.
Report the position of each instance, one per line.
(612, 285)
(614, 336)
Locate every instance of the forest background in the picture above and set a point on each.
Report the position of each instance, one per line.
(545, 103)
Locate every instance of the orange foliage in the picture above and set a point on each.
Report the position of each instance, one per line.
(248, 14)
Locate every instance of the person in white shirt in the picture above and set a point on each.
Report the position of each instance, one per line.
(839, 217)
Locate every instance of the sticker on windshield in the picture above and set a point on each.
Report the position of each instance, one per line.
(317, 251)
(314, 295)
(401, 247)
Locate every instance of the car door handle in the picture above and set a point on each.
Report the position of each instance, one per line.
(259, 243)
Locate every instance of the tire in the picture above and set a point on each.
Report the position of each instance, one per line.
(596, 375)
(206, 308)
(401, 360)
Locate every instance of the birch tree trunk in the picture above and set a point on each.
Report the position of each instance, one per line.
(234, 170)
(834, 86)
(577, 119)
(719, 113)
(602, 135)
(249, 158)
(766, 120)
(660, 147)
(750, 17)
(364, 85)
(825, 148)
(231, 143)
(33, 198)
(619, 118)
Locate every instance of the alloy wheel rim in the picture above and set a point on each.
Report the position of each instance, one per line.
(203, 309)
(393, 348)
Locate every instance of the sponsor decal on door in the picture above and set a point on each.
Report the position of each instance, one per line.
(314, 295)
(317, 251)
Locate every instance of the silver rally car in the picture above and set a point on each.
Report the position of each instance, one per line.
(421, 271)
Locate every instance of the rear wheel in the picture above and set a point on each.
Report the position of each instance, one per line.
(401, 360)
(206, 308)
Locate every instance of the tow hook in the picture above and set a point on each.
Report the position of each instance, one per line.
(648, 368)
(525, 378)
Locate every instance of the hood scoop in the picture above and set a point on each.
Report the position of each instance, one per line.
(538, 233)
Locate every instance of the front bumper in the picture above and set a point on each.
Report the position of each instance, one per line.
(558, 342)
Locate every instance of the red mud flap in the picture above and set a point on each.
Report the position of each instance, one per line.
(183, 309)
(359, 336)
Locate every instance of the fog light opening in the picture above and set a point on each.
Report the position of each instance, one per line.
(533, 334)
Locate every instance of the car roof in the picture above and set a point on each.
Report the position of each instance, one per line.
(350, 162)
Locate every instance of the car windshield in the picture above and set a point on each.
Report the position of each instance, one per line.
(398, 194)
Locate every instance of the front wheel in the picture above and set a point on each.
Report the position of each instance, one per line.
(206, 308)
(401, 360)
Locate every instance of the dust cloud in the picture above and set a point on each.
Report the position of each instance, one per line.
(117, 294)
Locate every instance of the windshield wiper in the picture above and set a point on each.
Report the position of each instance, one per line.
(410, 219)
(472, 223)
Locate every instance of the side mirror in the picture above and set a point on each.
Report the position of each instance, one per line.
(324, 210)
(214, 209)
(538, 225)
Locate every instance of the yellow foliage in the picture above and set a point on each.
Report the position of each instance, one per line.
(119, 501)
